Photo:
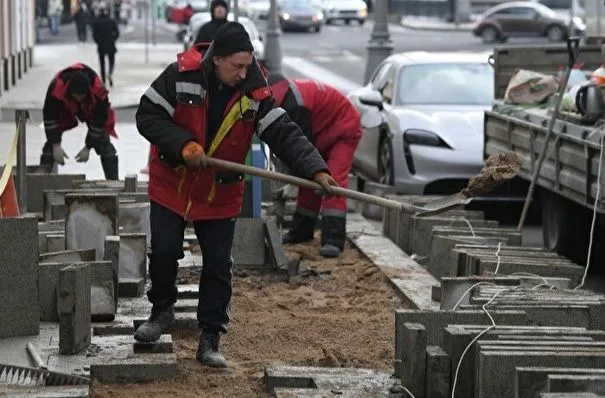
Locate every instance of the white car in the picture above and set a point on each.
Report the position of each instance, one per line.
(345, 10)
(258, 9)
(422, 121)
(200, 18)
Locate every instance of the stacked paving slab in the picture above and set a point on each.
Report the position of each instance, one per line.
(73, 276)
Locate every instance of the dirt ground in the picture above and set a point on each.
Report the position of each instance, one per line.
(340, 314)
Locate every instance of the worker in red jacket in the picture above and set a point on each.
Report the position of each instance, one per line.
(208, 104)
(77, 93)
(333, 125)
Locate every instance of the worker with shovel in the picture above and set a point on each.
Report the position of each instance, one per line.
(333, 125)
(206, 107)
(77, 93)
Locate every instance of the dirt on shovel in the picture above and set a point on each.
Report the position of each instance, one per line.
(499, 168)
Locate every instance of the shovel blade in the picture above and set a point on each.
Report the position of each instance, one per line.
(444, 204)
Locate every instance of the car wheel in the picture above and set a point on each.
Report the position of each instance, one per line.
(385, 162)
(555, 34)
(489, 35)
(361, 22)
(328, 22)
(317, 29)
(347, 22)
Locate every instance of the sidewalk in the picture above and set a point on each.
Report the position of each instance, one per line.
(435, 24)
(132, 74)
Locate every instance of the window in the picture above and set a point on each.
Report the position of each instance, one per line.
(515, 12)
(379, 75)
(557, 4)
(446, 84)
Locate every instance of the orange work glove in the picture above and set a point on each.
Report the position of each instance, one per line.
(325, 180)
(194, 155)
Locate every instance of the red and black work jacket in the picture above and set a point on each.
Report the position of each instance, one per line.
(174, 110)
(61, 112)
(324, 114)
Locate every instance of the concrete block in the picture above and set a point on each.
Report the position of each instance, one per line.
(112, 254)
(437, 373)
(413, 358)
(138, 197)
(46, 391)
(569, 395)
(455, 290)
(162, 346)
(531, 381)
(133, 256)
(89, 219)
(19, 307)
(249, 243)
(374, 212)
(496, 369)
(134, 218)
(68, 256)
(56, 226)
(135, 368)
(441, 261)
(130, 183)
(131, 287)
(55, 243)
(73, 302)
(327, 378)
(422, 231)
(436, 292)
(182, 321)
(100, 295)
(514, 238)
(576, 383)
(276, 254)
(37, 183)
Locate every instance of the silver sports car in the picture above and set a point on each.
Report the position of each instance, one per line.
(422, 120)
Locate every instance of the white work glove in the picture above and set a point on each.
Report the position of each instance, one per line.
(83, 155)
(59, 155)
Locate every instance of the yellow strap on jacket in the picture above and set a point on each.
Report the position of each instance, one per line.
(238, 108)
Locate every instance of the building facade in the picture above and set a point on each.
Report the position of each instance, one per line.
(17, 40)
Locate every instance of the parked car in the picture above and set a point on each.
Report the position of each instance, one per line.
(422, 121)
(197, 20)
(175, 11)
(299, 14)
(345, 10)
(258, 9)
(525, 19)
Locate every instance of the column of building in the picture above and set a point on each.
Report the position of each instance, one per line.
(17, 40)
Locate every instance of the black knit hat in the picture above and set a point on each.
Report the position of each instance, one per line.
(231, 38)
(78, 83)
(218, 3)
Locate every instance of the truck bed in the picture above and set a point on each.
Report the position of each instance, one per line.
(569, 170)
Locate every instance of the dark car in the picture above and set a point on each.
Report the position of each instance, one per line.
(297, 14)
(525, 19)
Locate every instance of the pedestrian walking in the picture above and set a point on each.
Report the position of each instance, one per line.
(81, 19)
(77, 94)
(218, 14)
(331, 122)
(105, 32)
(54, 11)
(208, 103)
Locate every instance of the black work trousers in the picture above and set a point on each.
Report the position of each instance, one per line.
(215, 238)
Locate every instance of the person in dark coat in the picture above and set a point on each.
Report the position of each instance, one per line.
(209, 104)
(81, 20)
(105, 32)
(218, 12)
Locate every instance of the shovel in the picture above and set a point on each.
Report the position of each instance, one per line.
(498, 169)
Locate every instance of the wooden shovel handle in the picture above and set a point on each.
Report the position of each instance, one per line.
(301, 182)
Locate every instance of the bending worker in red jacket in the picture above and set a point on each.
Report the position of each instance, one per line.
(333, 125)
(208, 103)
(77, 93)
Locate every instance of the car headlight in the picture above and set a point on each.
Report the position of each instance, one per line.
(285, 16)
(424, 138)
(363, 12)
(320, 16)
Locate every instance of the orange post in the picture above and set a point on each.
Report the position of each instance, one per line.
(9, 206)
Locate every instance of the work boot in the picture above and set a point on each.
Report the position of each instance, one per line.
(329, 251)
(333, 235)
(207, 350)
(157, 323)
(110, 167)
(304, 227)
